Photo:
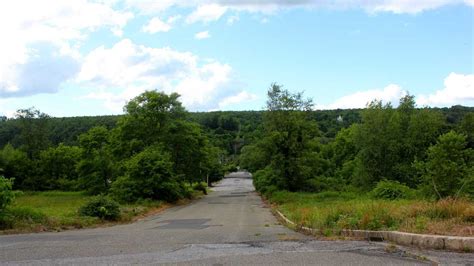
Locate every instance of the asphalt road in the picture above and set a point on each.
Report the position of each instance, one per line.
(229, 226)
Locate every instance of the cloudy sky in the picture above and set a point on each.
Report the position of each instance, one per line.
(79, 57)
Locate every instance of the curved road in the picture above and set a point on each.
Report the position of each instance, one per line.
(229, 226)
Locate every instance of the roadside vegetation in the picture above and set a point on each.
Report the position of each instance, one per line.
(62, 210)
(383, 167)
(153, 154)
(331, 212)
(399, 168)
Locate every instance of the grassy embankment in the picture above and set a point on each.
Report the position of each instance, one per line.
(57, 210)
(331, 211)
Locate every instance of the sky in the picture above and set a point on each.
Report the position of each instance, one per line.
(81, 57)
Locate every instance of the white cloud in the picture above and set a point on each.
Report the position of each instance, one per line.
(232, 19)
(43, 41)
(458, 89)
(210, 10)
(156, 6)
(410, 6)
(126, 63)
(390, 94)
(202, 35)
(131, 69)
(206, 13)
(156, 25)
(235, 99)
(173, 19)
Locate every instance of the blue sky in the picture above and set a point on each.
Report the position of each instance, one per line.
(72, 58)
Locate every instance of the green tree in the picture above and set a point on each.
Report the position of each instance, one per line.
(413, 131)
(389, 140)
(146, 122)
(96, 168)
(6, 194)
(373, 139)
(155, 118)
(254, 157)
(289, 138)
(34, 131)
(449, 168)
(148, 175)
(341, 153)
(187, 146)
(467, 127)
(14, 163)
(57, 166)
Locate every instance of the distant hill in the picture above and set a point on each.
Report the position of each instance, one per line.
(228, 125)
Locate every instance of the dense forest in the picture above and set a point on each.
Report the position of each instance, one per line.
(157, 147)
(392, 152)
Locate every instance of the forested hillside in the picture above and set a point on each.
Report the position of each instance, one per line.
(288, 146)
(392, 150)
(151, 152)
(157, 151)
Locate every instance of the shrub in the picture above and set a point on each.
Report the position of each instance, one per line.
(391, 190)
(448, 169)
(319, 184)
(148, 175)
(201, 186)
(6, 194)
(266, 180)
(101, 207)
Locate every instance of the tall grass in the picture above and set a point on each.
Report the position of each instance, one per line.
(58, 210)
(333, 211)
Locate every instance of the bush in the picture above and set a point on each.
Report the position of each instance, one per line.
(266, 180)
(201, 186)
(391, 190)
(101, 207)
(6, 194)
(320, 184)
(448, 170)
(148, 175)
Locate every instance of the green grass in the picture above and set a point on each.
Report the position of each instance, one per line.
(333, 211)
(58, 210)
(57, 204)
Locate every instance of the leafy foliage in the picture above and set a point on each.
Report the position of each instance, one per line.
(96, 168)
(34, 131)
(14, 163)
(449, 168)
(57, 166)
(101, 207)
(391, 190)
(289, 139)
(148, 175)
(6, 194)
(287, 147)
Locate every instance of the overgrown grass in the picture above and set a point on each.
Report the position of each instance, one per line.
(58, 210)
(332, 211)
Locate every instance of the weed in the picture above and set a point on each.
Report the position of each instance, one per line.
(391, 248)
(326, 211)
(57, 210)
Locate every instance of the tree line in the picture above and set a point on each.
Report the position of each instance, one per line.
(404, 149)
(153, 152)
(157, 147)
